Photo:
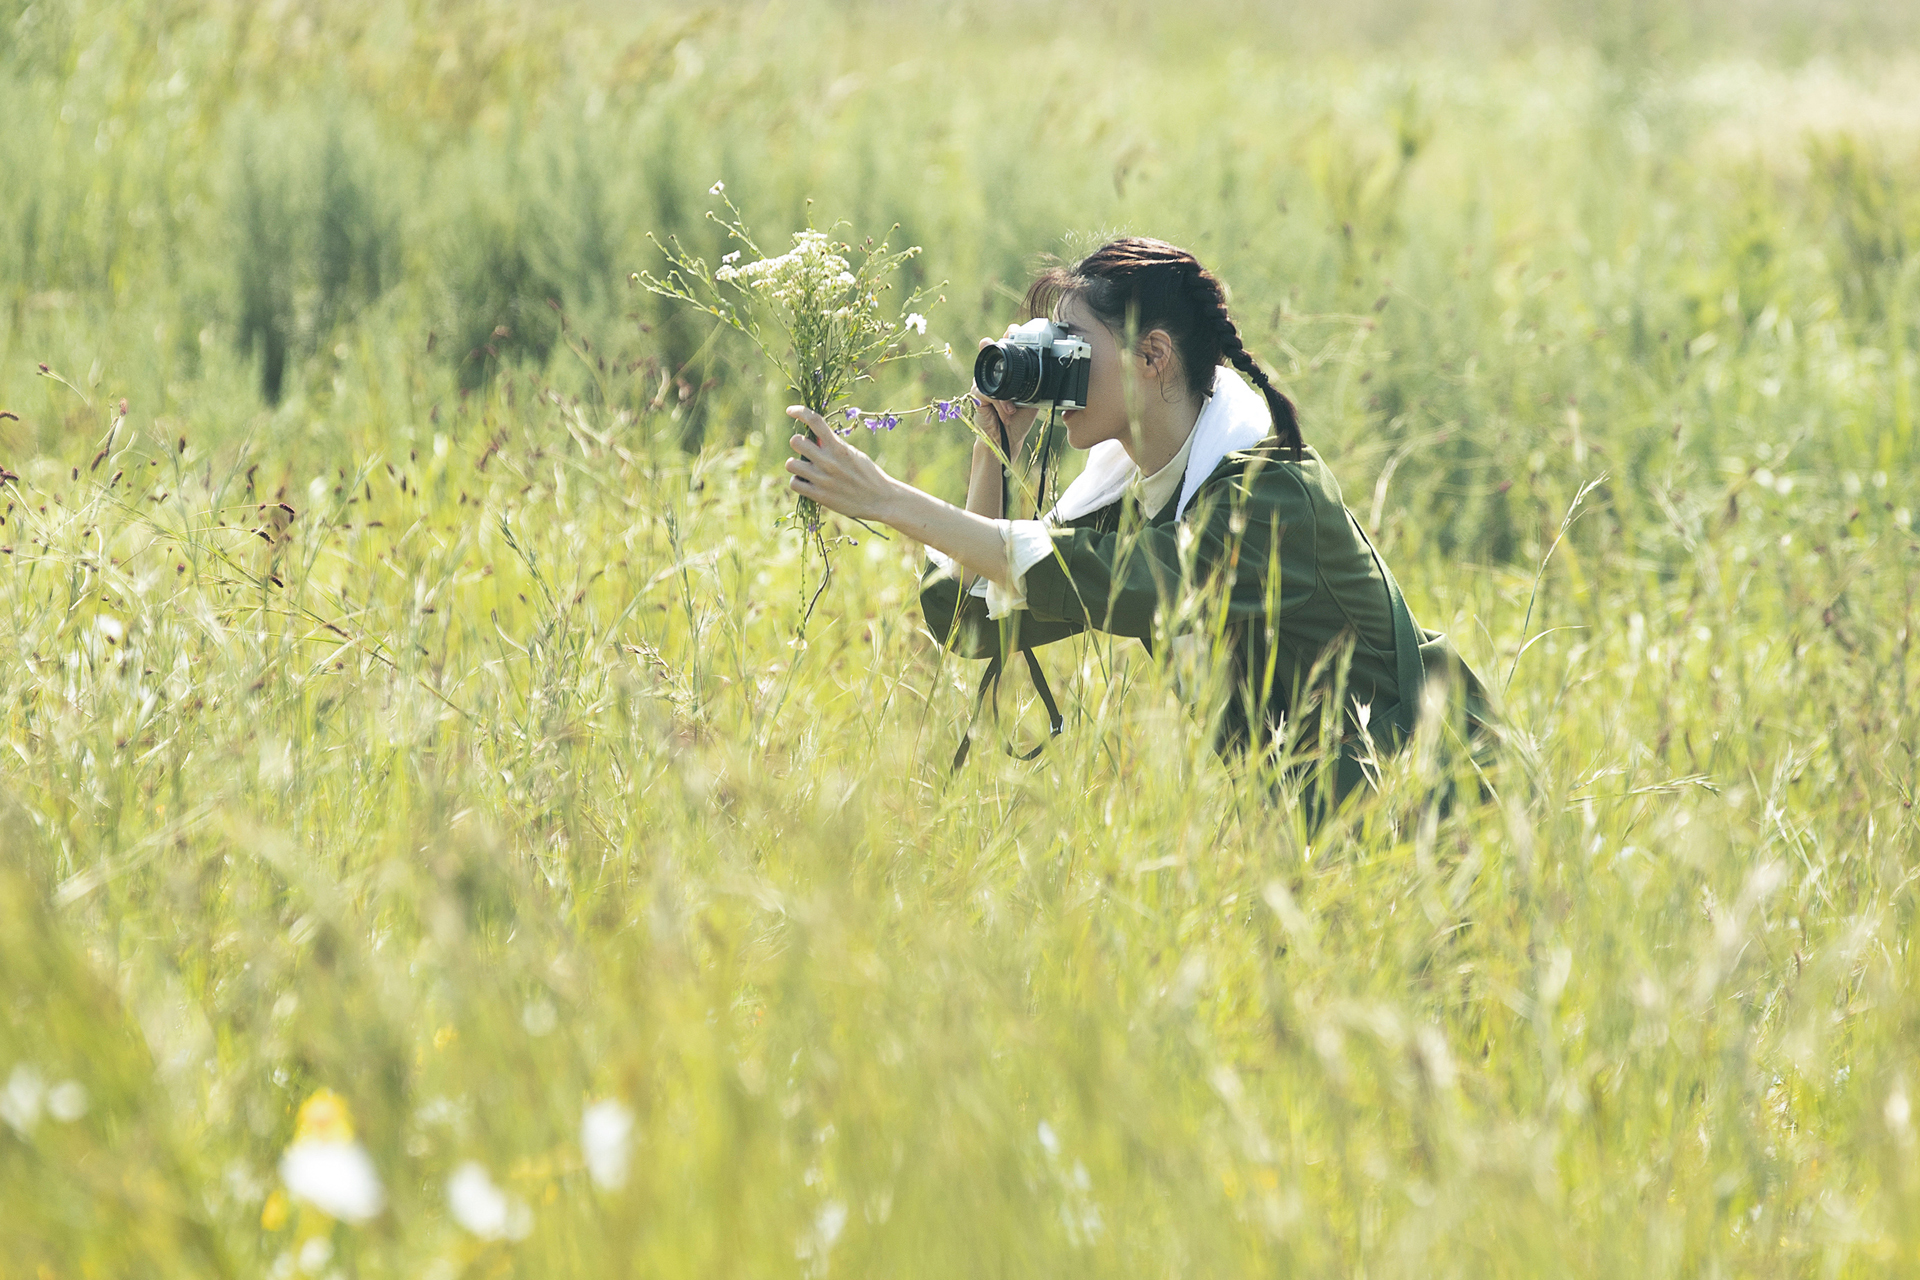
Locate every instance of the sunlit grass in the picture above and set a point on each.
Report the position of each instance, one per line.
(438, 737)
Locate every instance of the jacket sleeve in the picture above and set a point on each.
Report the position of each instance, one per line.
(959, 619)
(1247, 524)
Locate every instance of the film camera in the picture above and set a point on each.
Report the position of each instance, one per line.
(1038, 363)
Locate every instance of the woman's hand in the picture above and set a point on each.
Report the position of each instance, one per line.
(835, 474)
(841, 478)
(993, 414)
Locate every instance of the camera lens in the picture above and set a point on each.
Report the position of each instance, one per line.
(1006, 372)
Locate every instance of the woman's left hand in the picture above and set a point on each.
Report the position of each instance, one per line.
(835, 474)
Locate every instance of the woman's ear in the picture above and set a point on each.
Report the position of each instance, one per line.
(1156, 352)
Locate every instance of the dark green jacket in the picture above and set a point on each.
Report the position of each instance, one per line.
(1267, 534)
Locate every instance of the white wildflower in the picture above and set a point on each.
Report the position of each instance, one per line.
(484, 1209)
(606, 1138)
(539, 1017)
(716, 188)
(829, 1222)
(67, 1101)
(20, 1100)
(917, 322)
(335, 1176)
(315, 1254)
(816, 1244)
(730, 258)
(325, 1166)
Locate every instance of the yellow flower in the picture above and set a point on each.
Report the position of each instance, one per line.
(323, 1118)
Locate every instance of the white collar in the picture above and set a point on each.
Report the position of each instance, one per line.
(1235, 417)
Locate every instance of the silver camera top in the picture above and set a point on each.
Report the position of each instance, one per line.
(1044, 335)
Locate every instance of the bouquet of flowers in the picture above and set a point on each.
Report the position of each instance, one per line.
(815, 314)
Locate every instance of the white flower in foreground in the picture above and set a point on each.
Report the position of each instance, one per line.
(829, 1222)
(716, 188)
(606, 1138)
(315, 1254)
(334, 1176)
(814, 1246)
(484, 1209)
(67, 1101)
(917, 322)
(20, 1100)
(325, 1166)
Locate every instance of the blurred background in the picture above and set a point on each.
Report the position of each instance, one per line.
(409, 715)
(248, 212)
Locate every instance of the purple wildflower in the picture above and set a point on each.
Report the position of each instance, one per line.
(852, 413)
(890, 422)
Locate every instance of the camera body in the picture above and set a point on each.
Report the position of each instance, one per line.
(1038, 363)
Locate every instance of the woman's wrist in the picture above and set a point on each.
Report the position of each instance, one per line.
(895, 509)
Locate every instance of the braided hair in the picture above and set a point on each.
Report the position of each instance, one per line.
(1150, 284)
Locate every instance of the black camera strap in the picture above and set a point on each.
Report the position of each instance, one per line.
(989, 683)
(990, 678)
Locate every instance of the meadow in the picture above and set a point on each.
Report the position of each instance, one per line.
(409, 760)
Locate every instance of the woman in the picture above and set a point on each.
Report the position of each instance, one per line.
(1201, 513)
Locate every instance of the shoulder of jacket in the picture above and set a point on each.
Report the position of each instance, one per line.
(1265, 470)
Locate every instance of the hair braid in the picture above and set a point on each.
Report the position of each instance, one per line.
(1286, 421)
(1209, 297)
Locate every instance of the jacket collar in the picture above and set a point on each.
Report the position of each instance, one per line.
(1235, 417)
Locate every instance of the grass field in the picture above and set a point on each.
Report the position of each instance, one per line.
(405, 745)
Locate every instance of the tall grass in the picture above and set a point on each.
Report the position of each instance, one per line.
(415, 713)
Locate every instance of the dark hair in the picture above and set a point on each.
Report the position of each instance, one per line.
(1150, 284)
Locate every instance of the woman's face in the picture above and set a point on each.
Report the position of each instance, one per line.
(1105, 417)
(1111, 382)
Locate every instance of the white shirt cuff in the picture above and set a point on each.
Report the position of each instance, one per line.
(951, 567)
(1028, 543)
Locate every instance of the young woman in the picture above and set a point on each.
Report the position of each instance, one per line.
(1201, 516)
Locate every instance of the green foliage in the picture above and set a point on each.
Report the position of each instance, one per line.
(433, 732)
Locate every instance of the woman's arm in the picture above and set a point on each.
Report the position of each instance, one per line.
(843, 479)
(1003, 421)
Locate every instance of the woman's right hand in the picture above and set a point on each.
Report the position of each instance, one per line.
(991, 415)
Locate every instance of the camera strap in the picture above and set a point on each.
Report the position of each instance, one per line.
(989, 683)
(990, 678)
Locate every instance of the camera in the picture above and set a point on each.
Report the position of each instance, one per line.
(1039, 362)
